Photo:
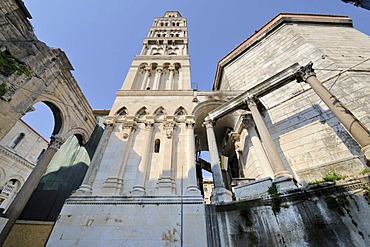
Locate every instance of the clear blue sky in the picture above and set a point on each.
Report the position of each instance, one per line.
(101, 38)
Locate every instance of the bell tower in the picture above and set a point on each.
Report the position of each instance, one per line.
(163, 63)
(141, 185)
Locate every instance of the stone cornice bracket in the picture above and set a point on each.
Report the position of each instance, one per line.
(169, 126)
(304, 72)
(56, 142)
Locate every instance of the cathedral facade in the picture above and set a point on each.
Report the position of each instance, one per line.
(287, 131)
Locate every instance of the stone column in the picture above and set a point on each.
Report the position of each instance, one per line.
(139, 187)
(166, 182)
(146, 76)
(179, 86)
(21, 199)
(113, 185)
(273, 155)
(256, 142)
(192, 188)
(170, 79)
(347, 119)
(219, 193)
(86, 186)
(157, 78)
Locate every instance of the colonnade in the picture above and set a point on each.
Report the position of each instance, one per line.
(157, 72)
(266, 150)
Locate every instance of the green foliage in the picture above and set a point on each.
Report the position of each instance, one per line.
(253, 239)
(238, 227)
(328, 177)
(333, 177)
(365, 171)
(245, 213)
(275, 199)
(10, 65)
(3, 89)
(336, 203)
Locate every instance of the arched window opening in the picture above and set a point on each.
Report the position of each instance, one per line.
(17, 140)
(157, 144)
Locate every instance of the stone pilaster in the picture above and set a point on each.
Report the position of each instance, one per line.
(166, 182)
(86, 186)
(139, 187)
(113, 185)
(345, 117)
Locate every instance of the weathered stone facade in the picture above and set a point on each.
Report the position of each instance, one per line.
(19, 151)
(142, 187)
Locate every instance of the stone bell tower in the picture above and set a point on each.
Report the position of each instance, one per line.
(141, 186)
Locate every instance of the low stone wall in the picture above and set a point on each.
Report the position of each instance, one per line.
(321, 215)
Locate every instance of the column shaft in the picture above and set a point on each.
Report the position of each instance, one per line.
(272, 153)
(262, 157)
(21, 199)
(170, 79)
(347, 119)
(157, 79)
(145, 80)
(214, 156)
(191, 166)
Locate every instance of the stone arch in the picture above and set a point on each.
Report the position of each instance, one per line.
(160, 114)
(180, 114)
(143, 111)
(122, 112)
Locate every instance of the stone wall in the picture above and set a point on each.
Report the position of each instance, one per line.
(325, 215)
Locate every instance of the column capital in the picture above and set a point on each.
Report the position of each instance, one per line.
(159, 69)
(169, 126)
(129, 124)
(208, 123)
(110, 121)
(251, 101)
(304, 72)
(189, 122)
(56, 142)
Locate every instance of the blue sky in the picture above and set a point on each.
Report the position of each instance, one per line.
(101, 38)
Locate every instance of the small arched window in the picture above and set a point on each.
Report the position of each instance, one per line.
(157, 144)
(17, 140)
